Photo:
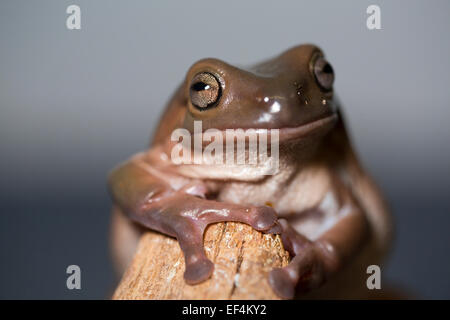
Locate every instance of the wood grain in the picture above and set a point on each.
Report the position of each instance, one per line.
(242, 256)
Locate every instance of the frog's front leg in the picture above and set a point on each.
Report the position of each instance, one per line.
(148, 197)
(315, 261)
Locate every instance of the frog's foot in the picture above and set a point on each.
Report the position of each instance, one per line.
(186, 217)
(304, 272)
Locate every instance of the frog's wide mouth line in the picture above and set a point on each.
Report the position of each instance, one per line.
(306, 129)
(286, 133)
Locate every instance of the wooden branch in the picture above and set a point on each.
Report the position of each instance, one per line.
(242, 256)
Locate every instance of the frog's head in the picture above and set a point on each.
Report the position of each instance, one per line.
(292, 92)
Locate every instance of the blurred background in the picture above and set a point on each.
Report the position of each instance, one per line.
(74, 103)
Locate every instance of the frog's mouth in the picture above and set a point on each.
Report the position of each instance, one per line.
(314, 128)
(321, 125)
(299, 132)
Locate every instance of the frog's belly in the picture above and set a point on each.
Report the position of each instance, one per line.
(307, 201)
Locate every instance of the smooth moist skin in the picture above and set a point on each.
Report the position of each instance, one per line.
(330, 215)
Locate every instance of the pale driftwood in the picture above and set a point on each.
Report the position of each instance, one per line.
(242, 256)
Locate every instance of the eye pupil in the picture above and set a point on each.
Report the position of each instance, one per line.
(323, 72)
(200, 86)
(205, 91)
(327, 68)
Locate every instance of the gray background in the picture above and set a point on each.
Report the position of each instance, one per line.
(75, 103)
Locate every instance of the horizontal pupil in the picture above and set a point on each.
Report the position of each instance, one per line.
(200, 86)
(327, 69)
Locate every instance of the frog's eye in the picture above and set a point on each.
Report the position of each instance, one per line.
(323, 72)
(205, 90)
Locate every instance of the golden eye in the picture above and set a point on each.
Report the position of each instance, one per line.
(323, 72)
(205, 91)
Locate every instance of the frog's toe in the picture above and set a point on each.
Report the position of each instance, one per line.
(282, 283)
(265, 219)
(275, 229)
(198, 266)
(198, 271)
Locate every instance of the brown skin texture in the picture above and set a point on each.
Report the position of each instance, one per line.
(331, 211)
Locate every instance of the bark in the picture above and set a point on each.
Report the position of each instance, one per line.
(242, 256)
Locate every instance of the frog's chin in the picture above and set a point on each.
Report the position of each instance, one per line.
(250, 156)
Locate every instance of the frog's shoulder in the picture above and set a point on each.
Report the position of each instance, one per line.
(341, 157)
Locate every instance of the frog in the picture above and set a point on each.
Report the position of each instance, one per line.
(330, 215)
